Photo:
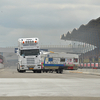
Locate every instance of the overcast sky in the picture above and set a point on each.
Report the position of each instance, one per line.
(45, 19)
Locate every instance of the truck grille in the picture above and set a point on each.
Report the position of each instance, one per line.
(30, 61)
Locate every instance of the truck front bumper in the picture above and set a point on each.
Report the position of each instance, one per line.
(30, 67)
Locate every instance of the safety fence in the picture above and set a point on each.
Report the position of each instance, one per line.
(90, 65)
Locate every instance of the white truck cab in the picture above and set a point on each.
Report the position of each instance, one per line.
(29, 55)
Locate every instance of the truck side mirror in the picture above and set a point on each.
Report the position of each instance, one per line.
(41, 52)
(17, 52)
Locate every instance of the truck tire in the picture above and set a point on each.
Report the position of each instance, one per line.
(18, 68)
(39, 71)
(23, 71)
(60, 71)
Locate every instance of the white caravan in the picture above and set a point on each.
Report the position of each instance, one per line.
(29, 55)
(60, 60)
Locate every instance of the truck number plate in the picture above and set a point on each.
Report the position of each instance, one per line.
(30, 68)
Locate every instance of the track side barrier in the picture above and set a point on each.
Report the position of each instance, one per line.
(89, 68)
(89, 65)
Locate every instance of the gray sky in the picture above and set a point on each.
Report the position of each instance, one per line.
(45, 19)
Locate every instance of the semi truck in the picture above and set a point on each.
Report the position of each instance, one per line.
(30, 58)
(29, 55)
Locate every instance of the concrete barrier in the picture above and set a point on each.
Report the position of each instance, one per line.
(1, 66)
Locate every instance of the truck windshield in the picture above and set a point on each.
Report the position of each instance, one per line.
(29, 52)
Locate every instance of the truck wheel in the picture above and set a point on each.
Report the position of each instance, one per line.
(23, 71)
(20, 71)
(18, 68)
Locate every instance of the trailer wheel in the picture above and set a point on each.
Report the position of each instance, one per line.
(56, 71)
(34, 71)
(39, 71)
(61, 71)
(50, 71)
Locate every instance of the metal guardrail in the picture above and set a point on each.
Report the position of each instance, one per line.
(73, 48)
(90, 65)
(60, 46)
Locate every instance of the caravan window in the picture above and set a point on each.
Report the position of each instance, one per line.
(75, 59)
(50, 59)
(62, 59)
